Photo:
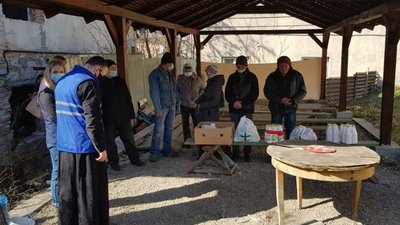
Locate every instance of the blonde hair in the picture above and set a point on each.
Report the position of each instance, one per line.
(60, 58)
(47, 72)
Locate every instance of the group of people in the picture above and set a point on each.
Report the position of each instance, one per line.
(84, 111)
(87, 108)
(284, 88)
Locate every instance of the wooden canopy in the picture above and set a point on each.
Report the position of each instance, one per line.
(185, 17)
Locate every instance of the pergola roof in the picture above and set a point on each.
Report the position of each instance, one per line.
(196, 15)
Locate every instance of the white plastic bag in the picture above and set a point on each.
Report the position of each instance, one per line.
(246, 131)
(303, 133)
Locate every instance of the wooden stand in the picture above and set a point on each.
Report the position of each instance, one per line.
(228, 166)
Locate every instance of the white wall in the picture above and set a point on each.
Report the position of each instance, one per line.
(366, 49)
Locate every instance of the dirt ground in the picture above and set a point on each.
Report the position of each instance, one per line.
(163, 193)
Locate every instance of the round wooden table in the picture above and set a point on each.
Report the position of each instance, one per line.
(347, 164)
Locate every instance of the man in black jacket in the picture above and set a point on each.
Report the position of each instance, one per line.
(284, 88)
(241, 92)
(118, 116)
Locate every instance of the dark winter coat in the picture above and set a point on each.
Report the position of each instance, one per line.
(277, 87)
(244, 88)
(116, 101)
(209, 101)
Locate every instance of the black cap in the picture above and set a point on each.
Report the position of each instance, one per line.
(241, 60)
(167, 58)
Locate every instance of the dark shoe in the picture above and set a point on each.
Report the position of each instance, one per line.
(246, 157)
(115, 167)
(138, 162)
(235, 154)
(154, 158)
(174, 154)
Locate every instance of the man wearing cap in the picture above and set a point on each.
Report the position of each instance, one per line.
(284, 88)
(166, 103)
(189, 87)
(241, 92)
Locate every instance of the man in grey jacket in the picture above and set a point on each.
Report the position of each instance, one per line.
(189, 86)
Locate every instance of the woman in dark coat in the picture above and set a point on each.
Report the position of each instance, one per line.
(211, 100)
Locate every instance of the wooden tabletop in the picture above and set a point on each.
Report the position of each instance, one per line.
(345, 158)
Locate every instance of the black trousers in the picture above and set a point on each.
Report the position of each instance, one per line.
(124, 129)
(186, 113)
(82, 190)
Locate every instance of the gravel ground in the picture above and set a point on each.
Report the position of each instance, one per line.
(163, 193)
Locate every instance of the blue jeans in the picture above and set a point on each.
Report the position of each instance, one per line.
(54, 173)
(166, 120)
(289, 120)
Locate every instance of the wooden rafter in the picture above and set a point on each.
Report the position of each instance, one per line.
(260, 10)
(188, 6)
(200, 25)
(236, 32)
(98, 7)
(365, 16)
(201, 12)
(207, 39)
(162, 4)
(319, 42)
(218, 12)
(112, 30)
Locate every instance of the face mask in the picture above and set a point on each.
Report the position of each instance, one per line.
(170, 67)
(240, 71)
(113, 73)
(188, 74)
(55, 77)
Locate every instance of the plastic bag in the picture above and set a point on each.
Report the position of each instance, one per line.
(34, 108)
(303, 133)
(246, 131)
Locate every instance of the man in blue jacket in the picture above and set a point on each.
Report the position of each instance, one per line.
(164, 96)
(83, 187)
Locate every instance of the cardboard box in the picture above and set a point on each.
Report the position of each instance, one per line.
(222, 134)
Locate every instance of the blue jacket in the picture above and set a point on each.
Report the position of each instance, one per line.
(71, 126)
(163, 90)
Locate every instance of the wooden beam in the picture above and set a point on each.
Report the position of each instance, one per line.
(312, 35)
(260, 10)
(368, 15)
(122, 47)
(389, 75)
(236, 32)
(324, 61)
(112, 30)
(347, 34)
(99, 7)
(175, 12)
(50, 13)
(198, 45)
(208, 38)
(171, 34)
(220, 11)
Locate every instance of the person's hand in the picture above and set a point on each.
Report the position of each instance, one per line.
(193, 105)
(102, 156)
(286, 101)
(159, 114)
(132, 122)
(237, 105)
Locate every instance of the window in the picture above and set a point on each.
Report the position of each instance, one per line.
(22, 13)
(15, 12)
(228, 60)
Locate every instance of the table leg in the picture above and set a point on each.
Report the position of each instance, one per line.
(356, 198)
(280, 196)
(299, 185)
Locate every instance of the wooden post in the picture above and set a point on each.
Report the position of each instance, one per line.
(118, 28)
(347, 34)
(324, 61)
(171, 37)
(198, 54)
(389, 74)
